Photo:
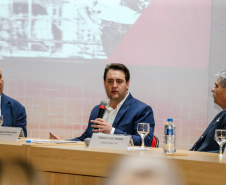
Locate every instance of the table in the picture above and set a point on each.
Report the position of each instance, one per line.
(74, 163)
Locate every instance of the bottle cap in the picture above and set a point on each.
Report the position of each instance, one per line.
(170, 119)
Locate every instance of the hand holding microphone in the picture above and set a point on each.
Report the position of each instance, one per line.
(101, 125)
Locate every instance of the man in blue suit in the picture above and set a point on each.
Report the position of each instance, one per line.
(14, 114)
(123, 112)
(206, 142)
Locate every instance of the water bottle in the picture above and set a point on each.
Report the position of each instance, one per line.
(169, 137)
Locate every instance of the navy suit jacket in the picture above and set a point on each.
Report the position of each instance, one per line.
(206, 142)
(14, 114)
(130, 114)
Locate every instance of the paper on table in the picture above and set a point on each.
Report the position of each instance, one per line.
(137, 148)
(176, 154)
(48, 141)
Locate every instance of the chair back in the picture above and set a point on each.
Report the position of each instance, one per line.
(155, 142)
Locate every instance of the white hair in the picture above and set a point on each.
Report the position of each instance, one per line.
(222, 77)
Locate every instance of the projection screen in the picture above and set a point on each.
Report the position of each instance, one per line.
(53, 54)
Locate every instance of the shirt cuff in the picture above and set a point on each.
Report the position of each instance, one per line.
(112, 131)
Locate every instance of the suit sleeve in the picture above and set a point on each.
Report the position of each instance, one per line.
(145, 116)
(82, 137)
(88, 132)
(222, 126)
(21, 119)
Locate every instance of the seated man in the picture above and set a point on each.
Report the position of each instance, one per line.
(14, 114)
(123, 112)
(206, 142)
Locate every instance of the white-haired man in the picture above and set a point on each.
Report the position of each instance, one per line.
(206, 142)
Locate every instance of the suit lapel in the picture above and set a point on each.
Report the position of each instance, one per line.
(123, 110)
(214, 122)
(5, 110)
(201, 139)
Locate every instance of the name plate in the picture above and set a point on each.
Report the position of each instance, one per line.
(224, 154)
(108, 141)
(9, 133)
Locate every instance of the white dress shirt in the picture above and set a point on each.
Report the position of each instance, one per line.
(110, 113)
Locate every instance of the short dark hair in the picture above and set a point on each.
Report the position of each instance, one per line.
(117, 66)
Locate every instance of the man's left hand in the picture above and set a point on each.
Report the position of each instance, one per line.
(101, 126)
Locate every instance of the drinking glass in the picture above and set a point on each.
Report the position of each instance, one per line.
(1, 120)
(143, 130)
(220, 138)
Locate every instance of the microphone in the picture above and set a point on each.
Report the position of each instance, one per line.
(87, 141)
(103, 103)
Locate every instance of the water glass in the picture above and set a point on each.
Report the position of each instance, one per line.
(143, 130)
(220, 138)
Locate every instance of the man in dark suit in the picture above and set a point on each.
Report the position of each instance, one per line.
(14, 114)
(123, 112)
(206, 142)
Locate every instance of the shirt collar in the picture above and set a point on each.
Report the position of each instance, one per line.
(119, 105)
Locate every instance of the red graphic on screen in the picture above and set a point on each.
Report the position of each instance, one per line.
(166, 34)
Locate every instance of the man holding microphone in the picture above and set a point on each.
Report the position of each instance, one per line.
(123, 112)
